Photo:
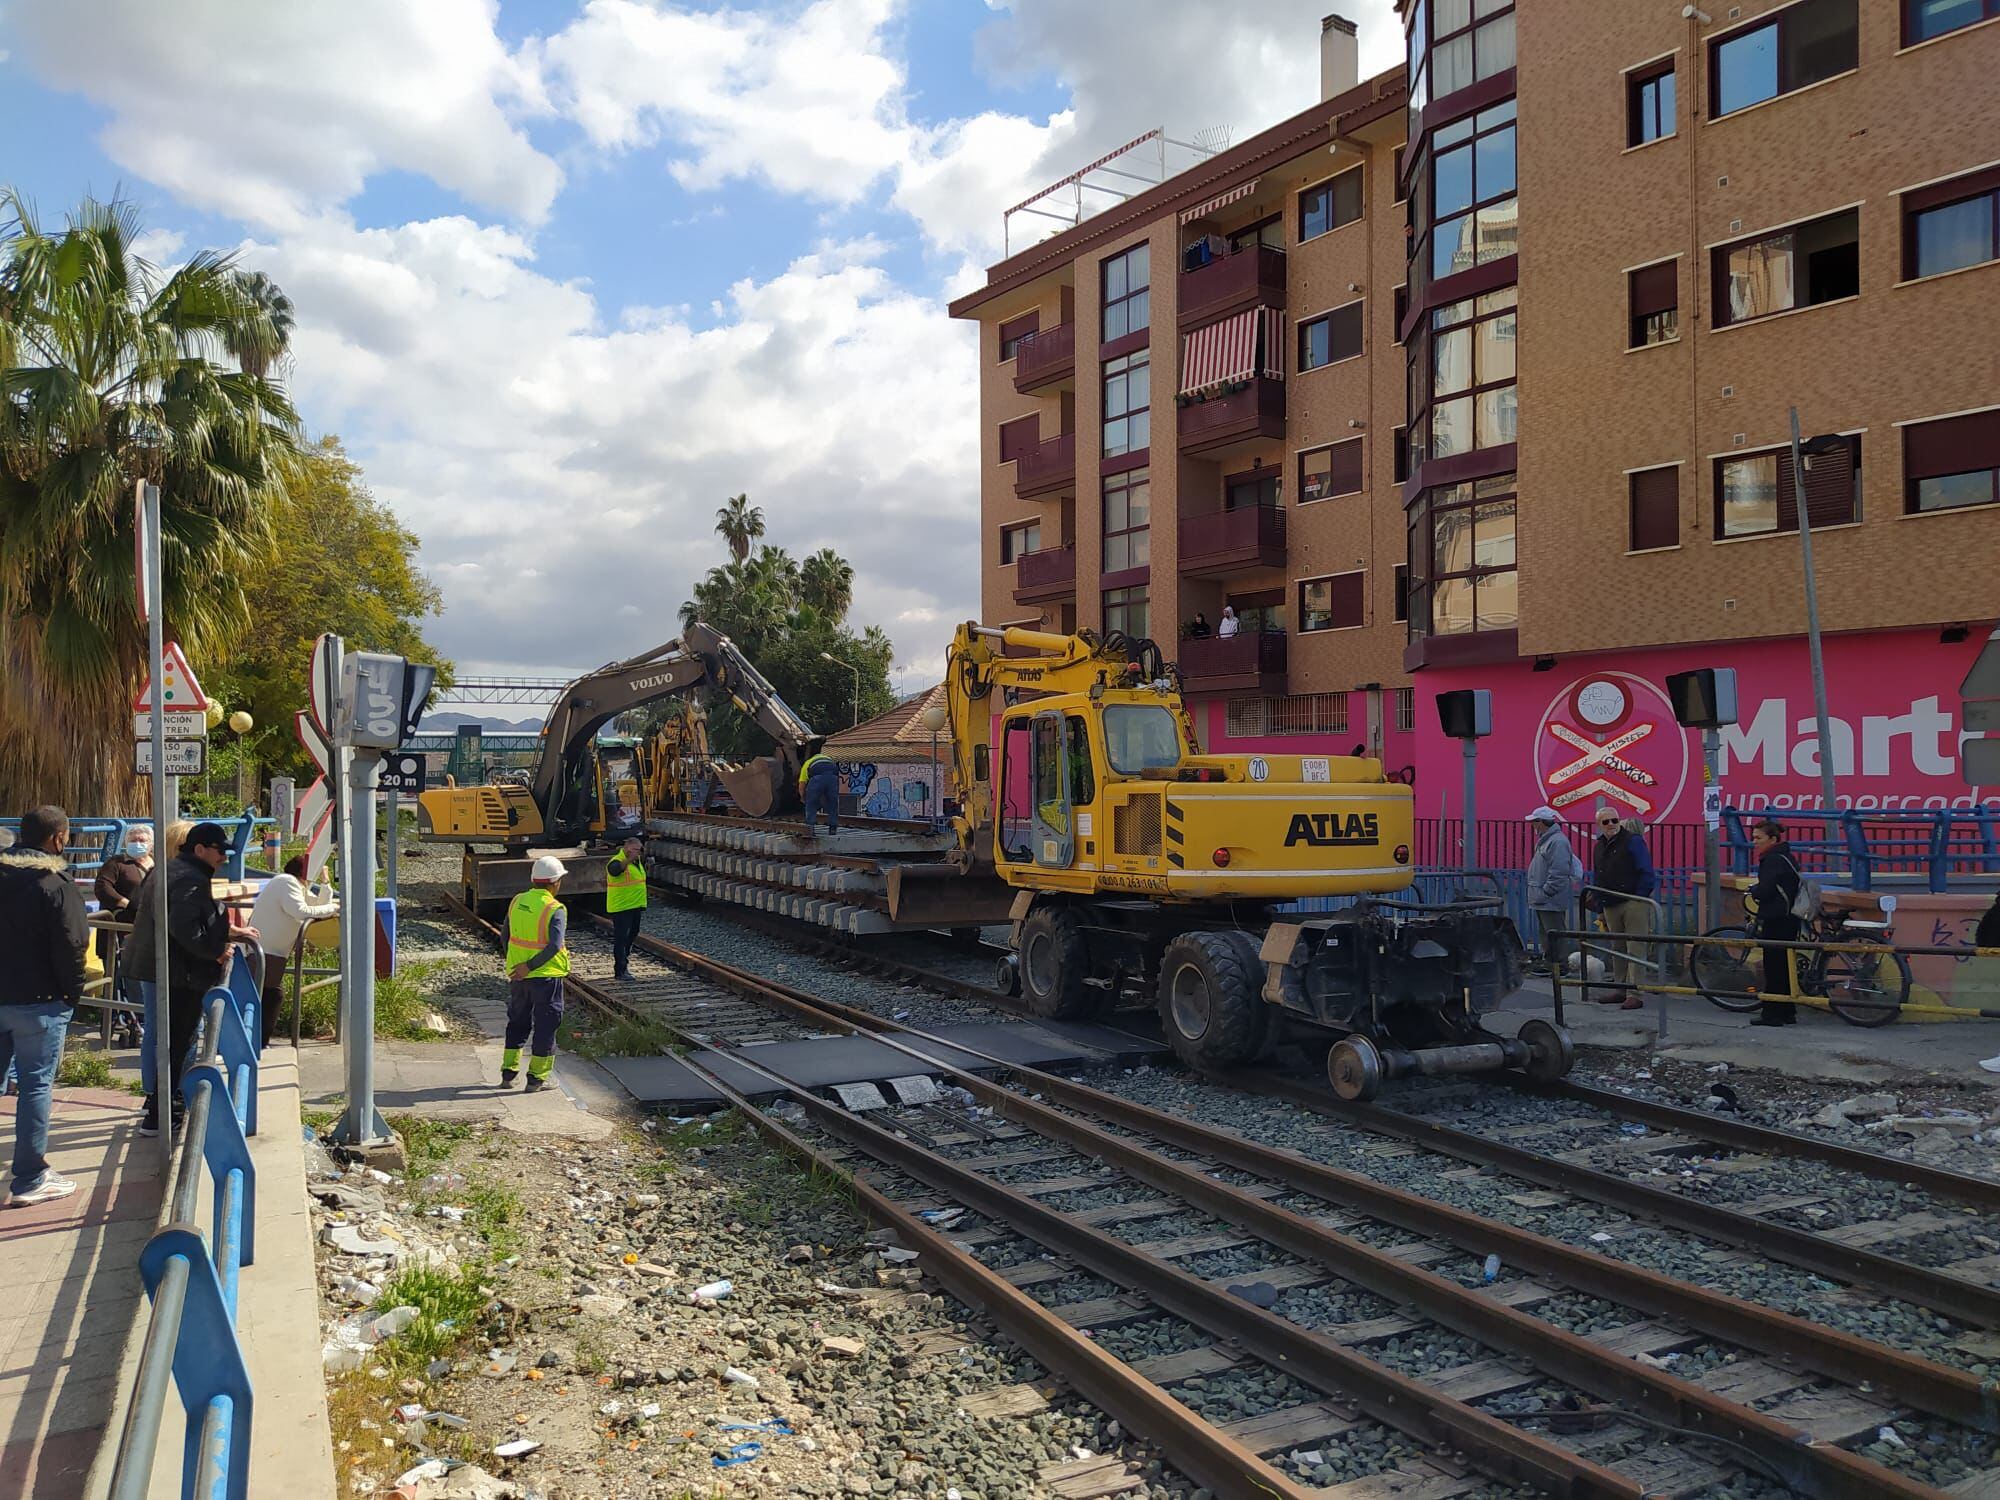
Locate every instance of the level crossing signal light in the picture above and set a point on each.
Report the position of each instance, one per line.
(1704, 698)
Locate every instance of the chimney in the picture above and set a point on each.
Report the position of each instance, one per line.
(1339, 57)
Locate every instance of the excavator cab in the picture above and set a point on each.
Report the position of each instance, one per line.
(620, 806)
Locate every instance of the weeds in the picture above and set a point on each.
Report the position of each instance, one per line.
(85, 1068)
(427, 1142)
(402, 999)
(625, 1037)
(448, 1303)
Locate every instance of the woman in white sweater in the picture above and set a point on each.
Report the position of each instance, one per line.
(283, 908)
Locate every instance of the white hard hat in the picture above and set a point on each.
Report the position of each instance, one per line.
(548, 867)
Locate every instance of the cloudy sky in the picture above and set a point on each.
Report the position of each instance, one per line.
(571, 272)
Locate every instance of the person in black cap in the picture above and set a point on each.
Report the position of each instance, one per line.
(199, 932)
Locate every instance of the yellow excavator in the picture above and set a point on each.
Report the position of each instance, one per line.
(1141, 866)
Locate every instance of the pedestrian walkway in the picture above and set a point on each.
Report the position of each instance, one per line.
(69, 1270)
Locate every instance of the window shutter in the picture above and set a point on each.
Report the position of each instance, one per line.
(1015, 327)
(1018, 436)
(1344, 593)
(1344, 461)
(1832, 489)
(1655, 289)
(1655, 508)
(1956, 445)
(1261, 599)
(1938, 193)
(1344, 331)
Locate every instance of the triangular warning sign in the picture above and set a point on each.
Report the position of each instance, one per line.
(181, 690)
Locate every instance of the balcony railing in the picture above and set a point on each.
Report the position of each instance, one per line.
(1047, 467)
(1248, 661)
(1249, 277)
(1048, 574)
(1255, 410)
(1227, 541)
(1045, 359)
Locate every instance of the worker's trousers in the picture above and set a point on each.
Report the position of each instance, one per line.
(823, 792)
(534, 1010)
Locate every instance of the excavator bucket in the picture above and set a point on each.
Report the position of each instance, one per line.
(757, 787)
(946, 895)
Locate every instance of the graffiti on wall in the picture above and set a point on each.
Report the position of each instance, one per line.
(891, 791)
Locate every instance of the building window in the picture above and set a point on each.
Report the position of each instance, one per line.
(1649, 103)
(1951, 462)
(1471, 391)
(1653, 297)
(1654, 507)
(1328, 205)
(1127, 306)
(1924, 19)
(1754, 493)
(1128, 512)
(1473, 210)
(1802, 44)
(1406, 709)
(1014, 540)
(1268, 234)
(1261, 613)
(1331, 603)
(1242, 491)
(1461, 558)
(1470, 40)
(1331, 337)
(1016, 332)
(1329, 471)
(1951, 225)
(1402, 588)
(1402, 467)
(1125, 611)
(1402, 309)
(1802, 266)
(1298, 713)
(1128, 426)
(1018, 436)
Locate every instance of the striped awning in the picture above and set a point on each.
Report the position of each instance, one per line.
(1243, 345)
(1235, 194)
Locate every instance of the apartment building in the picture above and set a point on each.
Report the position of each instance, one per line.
(1479, 375)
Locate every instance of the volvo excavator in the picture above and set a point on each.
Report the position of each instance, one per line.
(1141, 866)
(581, 789)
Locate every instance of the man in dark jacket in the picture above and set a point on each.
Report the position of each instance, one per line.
(1622, 868)
(199, 932)
(1777, 887)
(41, 913)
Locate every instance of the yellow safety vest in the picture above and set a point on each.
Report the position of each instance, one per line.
(528, 917)
(624, 885)
(806, 769)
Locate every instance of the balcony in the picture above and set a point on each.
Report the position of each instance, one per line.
(1253, 661)
(1255, 410)
(1049, 358)
(1044, 575)
(1228, 541)
(1253, 275)
(1047, 467)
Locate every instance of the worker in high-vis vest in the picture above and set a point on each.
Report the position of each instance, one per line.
(537, 959)
(819, 787)
(625, 901)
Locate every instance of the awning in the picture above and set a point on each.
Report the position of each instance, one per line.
(1243, 345)
(1234, 195)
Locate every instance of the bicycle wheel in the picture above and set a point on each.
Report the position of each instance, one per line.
(1867, 989)
(1727, 973)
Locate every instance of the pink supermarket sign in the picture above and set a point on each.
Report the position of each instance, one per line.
(1600, 731)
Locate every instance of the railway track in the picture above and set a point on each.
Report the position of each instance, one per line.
(1367, 1316)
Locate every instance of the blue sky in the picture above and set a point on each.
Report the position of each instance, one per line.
(570, 272)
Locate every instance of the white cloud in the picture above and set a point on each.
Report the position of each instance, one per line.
(271, 112)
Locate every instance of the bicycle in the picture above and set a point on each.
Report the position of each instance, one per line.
(1862, 988)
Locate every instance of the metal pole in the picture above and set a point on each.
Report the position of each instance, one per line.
(389, 859)
(361, 1125)
(935, 800)
(1828, 805)
(1471, 752)
(1711, 755)
(163, 814)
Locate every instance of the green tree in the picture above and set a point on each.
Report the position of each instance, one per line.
(265, 341)
(739, 523)
(826, 583)
(338, 561)
(111, 372)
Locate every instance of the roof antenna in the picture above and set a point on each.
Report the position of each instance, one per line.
(1211, 139)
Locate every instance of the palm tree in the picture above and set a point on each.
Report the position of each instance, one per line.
(826, 583)
(109, 374)
(268, 337)
(739, 523)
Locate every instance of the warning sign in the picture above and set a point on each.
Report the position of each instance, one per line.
(179, 690)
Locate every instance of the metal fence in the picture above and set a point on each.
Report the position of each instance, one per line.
(1940, 847)
(191, 1277)
(91, 840)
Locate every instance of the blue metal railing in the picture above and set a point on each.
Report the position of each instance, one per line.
(91, 840)
(1861, 848)
(1677, 891)
(191, 1277)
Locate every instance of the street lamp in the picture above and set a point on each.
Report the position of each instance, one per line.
(1824, 445)
(934, 719)
(829, 656)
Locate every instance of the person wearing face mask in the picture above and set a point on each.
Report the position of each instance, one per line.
(118, 881)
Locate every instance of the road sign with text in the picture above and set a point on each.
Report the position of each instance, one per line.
(184, 757)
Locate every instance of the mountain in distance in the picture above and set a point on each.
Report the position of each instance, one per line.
(447, 721)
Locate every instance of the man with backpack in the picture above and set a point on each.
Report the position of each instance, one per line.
(1622, 869)
(1555, 875)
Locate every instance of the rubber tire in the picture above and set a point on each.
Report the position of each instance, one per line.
(1712, 968)
(1226, 966)
(1895, 985)
(1354, 1069)
(1054, 932)
(1551, 1053)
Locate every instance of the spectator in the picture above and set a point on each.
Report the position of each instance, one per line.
(118, 881)
(199, 932)
(1198, 627)
(1555, 875)
(1770, 903)
(1228, 625)
(41, 912)
(1622, 868)
(139, 966)
(279, 915)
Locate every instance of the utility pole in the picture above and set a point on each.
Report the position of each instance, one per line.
(165, 798)
(1819, 445)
